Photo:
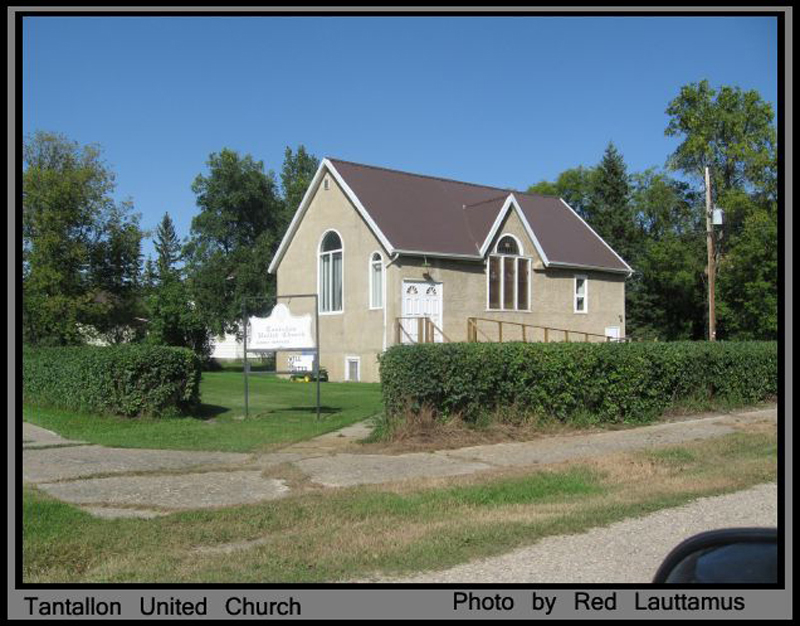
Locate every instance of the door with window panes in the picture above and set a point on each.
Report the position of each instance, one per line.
(421, 299)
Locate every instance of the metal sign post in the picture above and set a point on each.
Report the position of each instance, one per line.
(314, 349)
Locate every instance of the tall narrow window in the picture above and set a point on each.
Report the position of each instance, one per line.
(376, 281)
(509, 282)
(508, 276)
(522, 284)
(494, 282)
(330, 274)
(581, 294)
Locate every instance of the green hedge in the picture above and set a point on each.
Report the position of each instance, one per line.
(128, 380)
(612, 382)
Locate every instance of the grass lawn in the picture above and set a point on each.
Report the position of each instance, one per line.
(281, 413)
(349, 534)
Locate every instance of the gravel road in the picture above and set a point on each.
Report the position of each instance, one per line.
(625, 552)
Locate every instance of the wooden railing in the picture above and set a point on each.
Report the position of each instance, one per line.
(550, 333)
(426, 330)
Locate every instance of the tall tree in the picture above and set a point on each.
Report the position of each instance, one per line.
(80, 249)
(173, 318)
(298, 169)
(664, 296)
(232, 238)
(167, 246)
(609, 211)
(115, 275)
(732, 132)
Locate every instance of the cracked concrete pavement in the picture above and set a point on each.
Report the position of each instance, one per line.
(126, 482)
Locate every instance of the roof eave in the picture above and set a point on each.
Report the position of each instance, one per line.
(596, 268)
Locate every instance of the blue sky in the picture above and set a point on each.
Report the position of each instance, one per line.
(498, 101)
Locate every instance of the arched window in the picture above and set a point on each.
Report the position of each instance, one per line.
(507, 245)
(330, 273)
(376, 281)
(508, 274)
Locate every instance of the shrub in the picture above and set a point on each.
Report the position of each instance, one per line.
(127, 380)
(612, 382)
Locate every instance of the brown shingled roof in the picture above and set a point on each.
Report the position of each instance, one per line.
(425, 214)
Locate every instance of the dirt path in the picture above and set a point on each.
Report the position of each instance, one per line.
(116, 482)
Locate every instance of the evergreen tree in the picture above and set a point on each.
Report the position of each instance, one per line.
(609, 210)
(173, 317)
(167, 247)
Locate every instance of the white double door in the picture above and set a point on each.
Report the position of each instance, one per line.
(421, 299)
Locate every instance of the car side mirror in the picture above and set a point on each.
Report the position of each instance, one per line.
(736, 555)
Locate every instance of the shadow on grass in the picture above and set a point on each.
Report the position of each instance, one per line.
(293, 412)
(207, 411)
(327, 410)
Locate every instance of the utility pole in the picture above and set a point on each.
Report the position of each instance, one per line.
(712, 315)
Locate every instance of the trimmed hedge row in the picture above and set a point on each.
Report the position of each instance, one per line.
(128, 380)
(613, 382)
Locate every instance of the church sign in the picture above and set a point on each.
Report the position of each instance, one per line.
(287, 332)
(280, 331)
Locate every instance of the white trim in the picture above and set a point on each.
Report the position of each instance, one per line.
(512, 201)
(298, 215)
(318, 259)
(439, 255)
(347, 360)
(532, 235)
(498, 221)
(383, 281)
(360, 207)
(576, 266)
(324, 166)
(621, 260)
(585, 294)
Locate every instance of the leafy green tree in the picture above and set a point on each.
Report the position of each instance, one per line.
(149, 276)
(748, 281)
(663, 206)
(296, 174)
(573, 185)
(664, 297)
(80, 249)
(233, 238)
(732, 132)
(174, 320)
(115, 276)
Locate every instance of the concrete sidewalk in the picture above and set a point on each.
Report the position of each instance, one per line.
(125, 482)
